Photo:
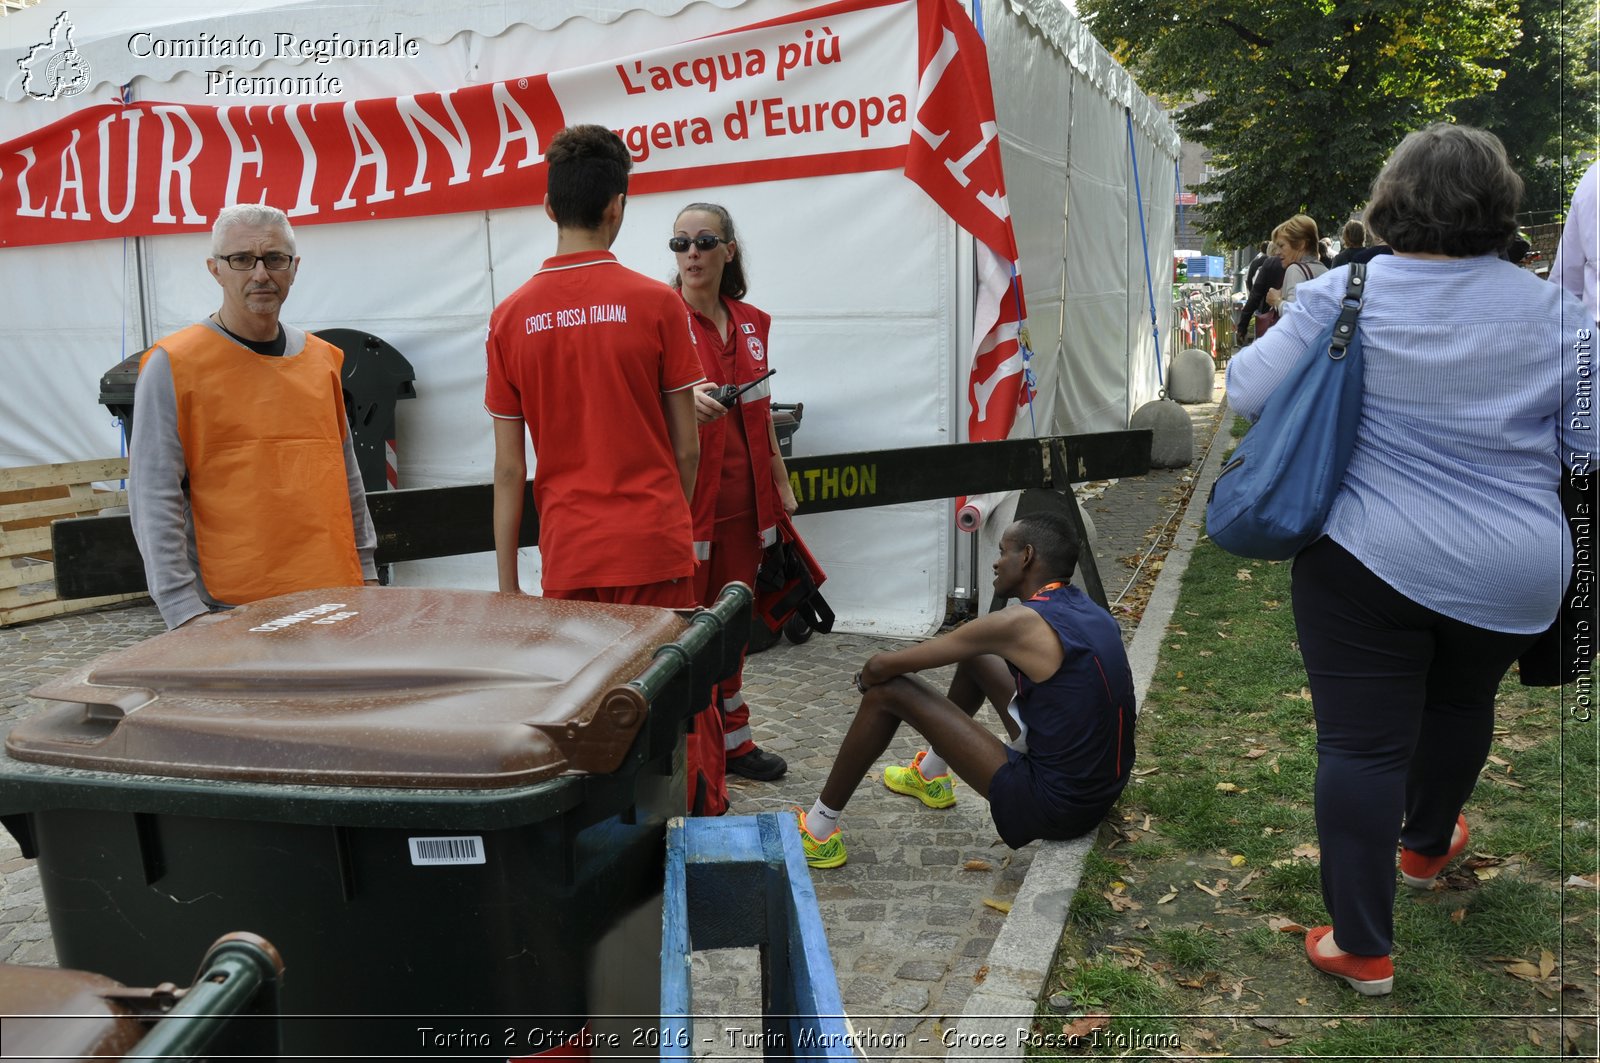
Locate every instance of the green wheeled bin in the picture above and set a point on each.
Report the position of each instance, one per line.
(442, 807)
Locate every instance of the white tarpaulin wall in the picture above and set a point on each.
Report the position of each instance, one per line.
(868, 282)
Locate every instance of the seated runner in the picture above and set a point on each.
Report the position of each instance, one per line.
(1055, 668)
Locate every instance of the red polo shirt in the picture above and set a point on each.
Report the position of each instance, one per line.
(583, 353)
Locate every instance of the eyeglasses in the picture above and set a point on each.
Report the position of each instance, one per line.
(243, 261)
(705, 242)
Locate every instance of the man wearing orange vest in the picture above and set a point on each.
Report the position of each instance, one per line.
(242, 477)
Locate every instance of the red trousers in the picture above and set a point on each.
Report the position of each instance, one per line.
(735, 555)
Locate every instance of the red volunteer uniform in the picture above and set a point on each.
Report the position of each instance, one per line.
(582, 353)
(736, 502)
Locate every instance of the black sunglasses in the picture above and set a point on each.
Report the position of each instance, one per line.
(705, 242)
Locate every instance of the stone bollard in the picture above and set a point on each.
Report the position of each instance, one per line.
(1171, 433)
(1190, 377)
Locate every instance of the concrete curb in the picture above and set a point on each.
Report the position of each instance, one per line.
(1000, 1012)
(1145, 649)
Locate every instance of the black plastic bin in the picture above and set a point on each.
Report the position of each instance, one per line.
(436, 804)
(375, 377)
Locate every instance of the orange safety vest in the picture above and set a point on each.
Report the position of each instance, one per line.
(263, 441)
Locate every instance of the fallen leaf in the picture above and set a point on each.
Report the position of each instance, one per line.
(1146, 771)
(1503, 781)
(1236, 861)
(1243, 575)
(1223, 635)
(1126, 950)
(980, 974)
(1251, 877)
(1307, 851)
(1458, 916)
(1533, 1036)
(1278, 1041)
(999, 906)
(1207, 653)
(1119, 902)
(1547, 963)
(1524, 970)
(1303, 1001)
(1258, 751)
(1086, 1025)
(1207, 889)
(1588, 882)
(1167, 898)
(1146, 825)
(1486, 873)
(1231, 788)
(1498, 761)
(1285, 926)
(977, 865)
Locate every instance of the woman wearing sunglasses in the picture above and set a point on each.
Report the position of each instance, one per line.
(742, 484)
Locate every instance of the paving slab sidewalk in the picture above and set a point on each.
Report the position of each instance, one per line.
(929, 963)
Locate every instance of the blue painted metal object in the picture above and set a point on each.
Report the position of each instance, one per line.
(742, 881)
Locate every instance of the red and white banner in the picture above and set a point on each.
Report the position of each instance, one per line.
(834, 89)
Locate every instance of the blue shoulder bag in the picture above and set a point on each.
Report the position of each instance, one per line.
(1272, 498)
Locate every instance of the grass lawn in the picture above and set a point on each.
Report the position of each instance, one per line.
(1186, 935)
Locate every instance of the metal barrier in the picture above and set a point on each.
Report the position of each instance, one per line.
(98, 555)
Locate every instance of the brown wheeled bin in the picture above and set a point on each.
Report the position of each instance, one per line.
(438, 805)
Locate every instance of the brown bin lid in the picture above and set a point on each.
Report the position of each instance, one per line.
(364, 686)
(46, 1013)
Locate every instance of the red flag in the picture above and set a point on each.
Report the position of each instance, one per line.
(954, 156)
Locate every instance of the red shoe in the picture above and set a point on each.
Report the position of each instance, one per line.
(1420, 872)
(1371, 976)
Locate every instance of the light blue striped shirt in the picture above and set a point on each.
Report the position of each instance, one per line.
(1479, 388)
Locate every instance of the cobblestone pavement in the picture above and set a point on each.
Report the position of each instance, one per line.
(910, 918)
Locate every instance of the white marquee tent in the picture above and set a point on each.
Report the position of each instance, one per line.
(869, 283)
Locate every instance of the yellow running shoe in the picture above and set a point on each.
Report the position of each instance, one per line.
(826, 853)
(939, 792)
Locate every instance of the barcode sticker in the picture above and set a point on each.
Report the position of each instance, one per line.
(461, 849)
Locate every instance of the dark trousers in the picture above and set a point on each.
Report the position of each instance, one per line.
(1404, 703)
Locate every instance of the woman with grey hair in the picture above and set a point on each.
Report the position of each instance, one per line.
(1446, 553)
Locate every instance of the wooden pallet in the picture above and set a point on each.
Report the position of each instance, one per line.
(30, 499)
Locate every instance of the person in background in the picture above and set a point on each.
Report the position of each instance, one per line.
(742, 485)
(1325, 252)
(1296, 242)
(1354, 238)
(1255, 265)
(1264, 279)
(242, 476)
(1053, 667)
(1445, 554)
(599, 363)
(1578, 253)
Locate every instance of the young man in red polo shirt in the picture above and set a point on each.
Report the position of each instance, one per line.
(599, 363)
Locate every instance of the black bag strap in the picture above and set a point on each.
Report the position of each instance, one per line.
(1344, 327)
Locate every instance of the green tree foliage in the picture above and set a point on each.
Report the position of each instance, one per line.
(1543, 108)
(1300, 101)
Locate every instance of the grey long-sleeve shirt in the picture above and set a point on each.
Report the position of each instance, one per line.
(159, 506)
